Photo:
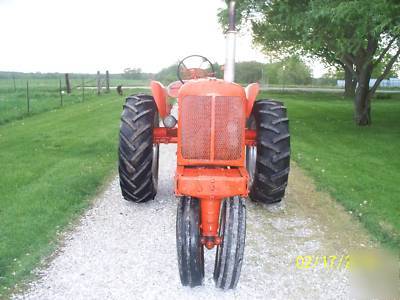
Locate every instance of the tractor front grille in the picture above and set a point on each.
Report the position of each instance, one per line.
(212, 128)
(229, 124)
(196, 127)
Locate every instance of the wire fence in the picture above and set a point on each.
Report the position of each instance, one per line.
(21, 97)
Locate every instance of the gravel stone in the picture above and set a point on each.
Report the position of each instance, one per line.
(123, 250)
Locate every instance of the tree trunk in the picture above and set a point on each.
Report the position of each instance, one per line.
(362, 100)
(349, 83)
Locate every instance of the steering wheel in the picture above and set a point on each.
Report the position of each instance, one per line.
(195, 67)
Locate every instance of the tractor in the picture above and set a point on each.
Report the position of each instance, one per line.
(230, 147)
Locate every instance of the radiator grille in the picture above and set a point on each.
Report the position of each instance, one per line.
(229, 124)
(196, 125)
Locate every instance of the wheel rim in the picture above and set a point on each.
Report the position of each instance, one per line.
(189, 248)
(154, 163)
(229, 256)
(221, 234)
(251, 159)
(251, 154)
(154, 166)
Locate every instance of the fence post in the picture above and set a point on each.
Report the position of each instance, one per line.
(107, 81)
(98, 83)
(61, 96)
(83, 89)
(15, 87)
(67, 83)
(27, 97)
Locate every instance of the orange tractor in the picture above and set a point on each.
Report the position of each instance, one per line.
(229, 147)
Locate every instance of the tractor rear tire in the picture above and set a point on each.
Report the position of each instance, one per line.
(188, 242)
(138, 156)
(270, 173)
(229, 256)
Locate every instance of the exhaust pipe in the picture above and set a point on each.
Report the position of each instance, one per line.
(229, 68)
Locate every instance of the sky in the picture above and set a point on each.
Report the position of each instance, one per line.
(88, 35)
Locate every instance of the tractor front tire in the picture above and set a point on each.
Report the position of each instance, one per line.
(232, 230)
(188, 242)
(138, 156)
(269, 163)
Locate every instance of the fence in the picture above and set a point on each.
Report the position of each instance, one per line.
(26, 95)
(387, 83)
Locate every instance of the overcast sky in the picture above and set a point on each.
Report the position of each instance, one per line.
(91, 35)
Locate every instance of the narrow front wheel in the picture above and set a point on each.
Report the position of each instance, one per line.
(232, 230)
(188, 243)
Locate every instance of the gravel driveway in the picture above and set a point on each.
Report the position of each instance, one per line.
(121, 250)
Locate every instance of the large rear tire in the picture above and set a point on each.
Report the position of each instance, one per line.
(188, 242)
(229, 256)
(269, 163)
(138, 156)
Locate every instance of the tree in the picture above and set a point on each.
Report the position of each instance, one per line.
(248, 71)
(379, 69)
(296, 71)
(168, 75)
(133, 73)
(357, 35)
(291, 70)
(283, 40)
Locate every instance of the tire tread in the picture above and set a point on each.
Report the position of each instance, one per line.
(273, 151)
(135, 148)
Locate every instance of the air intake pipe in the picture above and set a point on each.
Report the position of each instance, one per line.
(229, 68)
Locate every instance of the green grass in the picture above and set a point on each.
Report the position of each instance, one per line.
(359, 166)
(44, 95)
(13, 105)
(51, 164)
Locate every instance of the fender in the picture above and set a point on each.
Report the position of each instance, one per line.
(252, 91)
(160, 96)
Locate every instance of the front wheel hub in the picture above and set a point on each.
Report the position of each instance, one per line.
(210, 241)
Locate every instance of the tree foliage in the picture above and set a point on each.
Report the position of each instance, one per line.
(291, 71)
(357, 35)
(248, 71)
(167, 75)
(133, 73)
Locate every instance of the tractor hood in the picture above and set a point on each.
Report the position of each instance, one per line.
(211, 87)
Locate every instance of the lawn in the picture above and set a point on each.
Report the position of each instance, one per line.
(359, 166)
(53, 163)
